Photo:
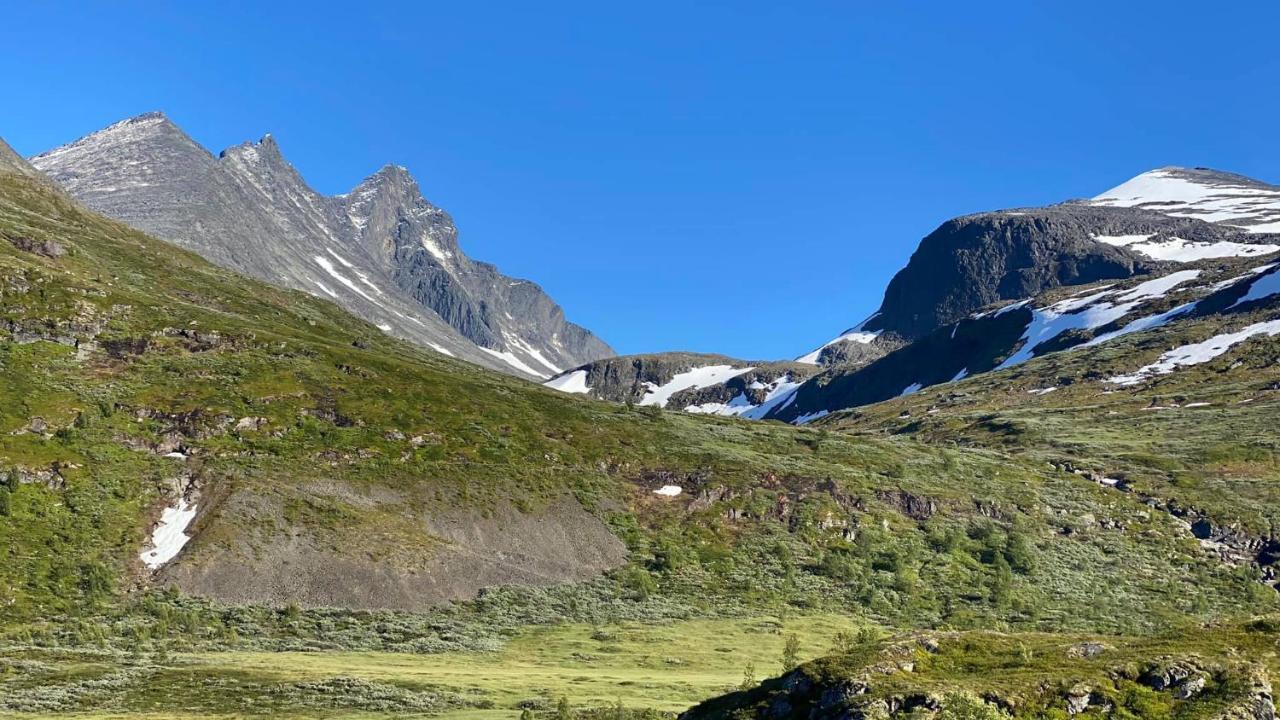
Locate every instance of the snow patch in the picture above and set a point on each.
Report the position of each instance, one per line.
(574, 382)
(1197, 353)
(669, 490)
(854, 334)
(779, 394)
(509, 358)
(1090, 312)
(1262, 287)
(696, 378)
(810, 417)
(333, 272)
(170, 536)
(1252, 206)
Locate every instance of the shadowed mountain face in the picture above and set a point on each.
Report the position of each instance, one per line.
(975, 260)
(382, 251)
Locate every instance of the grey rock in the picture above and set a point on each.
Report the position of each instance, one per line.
(382, 251)
(973, 261)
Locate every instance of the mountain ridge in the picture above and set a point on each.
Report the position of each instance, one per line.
(147, 172)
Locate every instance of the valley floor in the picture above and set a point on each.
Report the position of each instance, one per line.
(667, 668)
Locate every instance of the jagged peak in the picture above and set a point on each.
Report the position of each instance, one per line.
(265, 149)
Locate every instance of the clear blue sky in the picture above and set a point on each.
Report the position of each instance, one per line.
(719, 176)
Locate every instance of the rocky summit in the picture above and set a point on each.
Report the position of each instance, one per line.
(382, 251)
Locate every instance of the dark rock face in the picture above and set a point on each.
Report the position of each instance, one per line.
(971, 347)
(382, 251)
(973, 261)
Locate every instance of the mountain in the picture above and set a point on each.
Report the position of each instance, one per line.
(971, 262)
(1243, 292)
(1202, 193)
(220, 497)
(693, 382)
(252, 444)
(381, 251)
(929, 330)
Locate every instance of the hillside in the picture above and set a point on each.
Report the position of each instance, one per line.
(294, 457)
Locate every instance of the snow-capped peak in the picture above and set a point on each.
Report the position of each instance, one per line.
(1201, 193)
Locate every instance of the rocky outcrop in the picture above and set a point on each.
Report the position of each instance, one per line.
(688, 381)
(382, 251)
(833, 689)
(976, 260)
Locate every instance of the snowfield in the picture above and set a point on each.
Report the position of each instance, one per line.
(1197, 353)
(574, 382)
(1219, 197)
(696, 378)
(1091, 312)
(777, 392)
(1178, 250)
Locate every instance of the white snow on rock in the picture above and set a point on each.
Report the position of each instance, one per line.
(1142, 323)
(1041, 391)
(669, 490)
(696, 378)
(853, 334)
(518, 343)
(384, 327)
(781, 390)
(1213, 197)
(170, 536)
(439, 349)
(1089, 312)
(1197, 353)
(333, 272)
(573, 382)
(810, 417)
(1178, 250)
(1121, 240)
(510, 358)
(1261, 288)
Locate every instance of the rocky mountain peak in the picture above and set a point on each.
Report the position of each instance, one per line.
(1202, 193)
(382, 251)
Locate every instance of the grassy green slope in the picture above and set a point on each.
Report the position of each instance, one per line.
(118, 348)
